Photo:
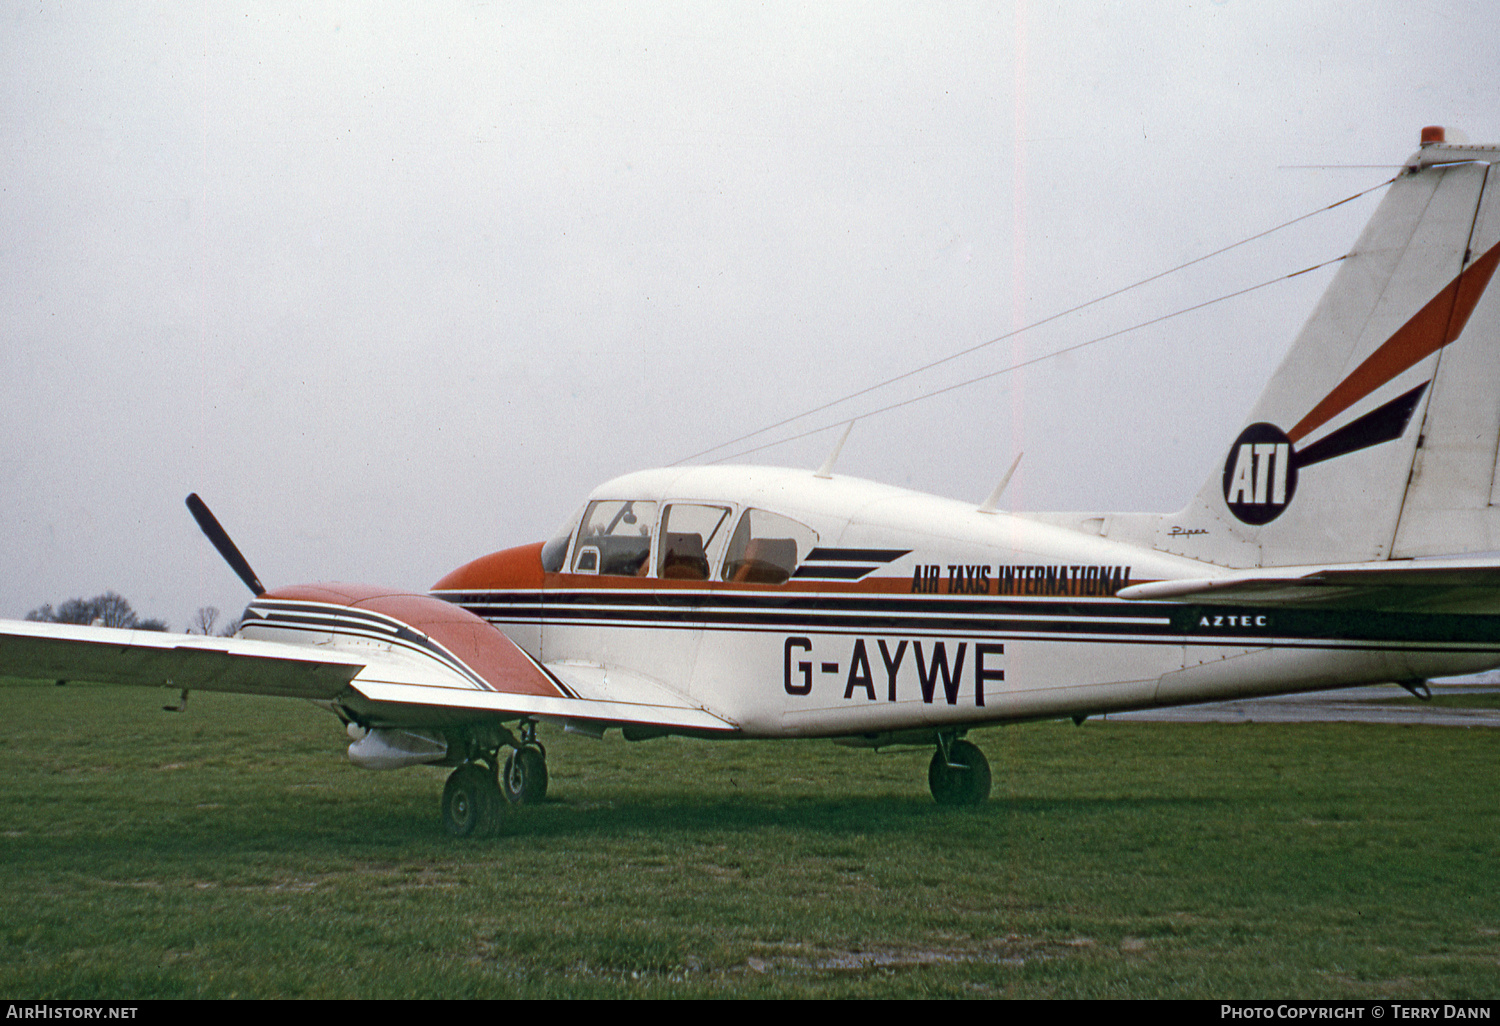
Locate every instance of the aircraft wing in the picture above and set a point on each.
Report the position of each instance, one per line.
(1403, 581)
(107, 655)
(409, 671)
(596, 694)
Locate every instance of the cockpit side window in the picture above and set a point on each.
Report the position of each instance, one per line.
(690, 533)
(615, 538)
(766, 548)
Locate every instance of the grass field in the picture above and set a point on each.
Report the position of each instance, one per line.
(231, 850)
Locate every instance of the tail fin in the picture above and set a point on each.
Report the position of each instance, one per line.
(1377, 437)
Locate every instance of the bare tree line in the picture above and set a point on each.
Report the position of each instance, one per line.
(112, 610)
(206, 617)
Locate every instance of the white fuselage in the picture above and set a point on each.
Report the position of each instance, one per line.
(915, 612)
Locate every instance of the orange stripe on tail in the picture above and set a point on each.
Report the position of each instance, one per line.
(1431, 328)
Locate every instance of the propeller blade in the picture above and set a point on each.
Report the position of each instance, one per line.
(220, 537)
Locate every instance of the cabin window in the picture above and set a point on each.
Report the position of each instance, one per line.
(766, 548)
(689, 533)
(615, 538)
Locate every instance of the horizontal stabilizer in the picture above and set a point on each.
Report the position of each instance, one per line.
(1334, 582)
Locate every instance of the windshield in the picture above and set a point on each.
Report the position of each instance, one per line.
(556, 548)
(615, 538)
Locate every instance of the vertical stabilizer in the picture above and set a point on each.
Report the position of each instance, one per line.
(1377, 436)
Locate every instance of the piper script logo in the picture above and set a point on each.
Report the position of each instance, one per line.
(1260, 475)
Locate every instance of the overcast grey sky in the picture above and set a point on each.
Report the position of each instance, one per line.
(393, 286)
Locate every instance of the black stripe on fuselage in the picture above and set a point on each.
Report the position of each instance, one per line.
(813, 572)
(830, 555)
(830, 564)
(1042, 619)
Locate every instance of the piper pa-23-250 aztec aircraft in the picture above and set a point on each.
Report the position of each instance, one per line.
(757, 602)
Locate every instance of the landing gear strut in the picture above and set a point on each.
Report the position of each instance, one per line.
(524, 779)
(478, 791)
(959, 774)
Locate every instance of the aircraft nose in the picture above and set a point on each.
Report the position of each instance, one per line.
(520, 567)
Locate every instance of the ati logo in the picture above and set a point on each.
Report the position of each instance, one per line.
(1260, 475)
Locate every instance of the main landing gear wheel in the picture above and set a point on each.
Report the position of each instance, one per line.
(524, 779)
(472, 806)
(961, 776)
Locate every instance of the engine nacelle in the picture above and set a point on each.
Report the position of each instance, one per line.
(388, 748)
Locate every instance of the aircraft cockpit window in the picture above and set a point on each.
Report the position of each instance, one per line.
(689, 533)
(766, 548)
(555, 552)
(615, 538)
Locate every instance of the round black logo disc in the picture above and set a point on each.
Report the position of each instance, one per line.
(1260, 474)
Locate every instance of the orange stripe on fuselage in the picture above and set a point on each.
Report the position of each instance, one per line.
(605, 582)
(902, 585)
(520, 570)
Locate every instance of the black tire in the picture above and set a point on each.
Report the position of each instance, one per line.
(524, 779)
(967, 782)
(472, 806)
